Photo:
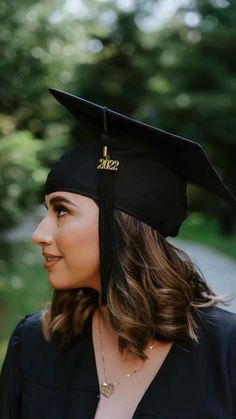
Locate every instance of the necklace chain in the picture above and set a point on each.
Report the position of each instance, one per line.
(106, 388)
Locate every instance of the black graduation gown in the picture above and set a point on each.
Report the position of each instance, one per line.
(196, 381)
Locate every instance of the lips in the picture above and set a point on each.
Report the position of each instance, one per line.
(51, 260)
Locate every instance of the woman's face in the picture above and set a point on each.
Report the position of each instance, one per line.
(70, 231)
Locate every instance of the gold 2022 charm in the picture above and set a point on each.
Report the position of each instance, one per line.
(106, 163)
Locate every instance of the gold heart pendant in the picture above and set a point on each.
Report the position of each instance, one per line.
(107, 389)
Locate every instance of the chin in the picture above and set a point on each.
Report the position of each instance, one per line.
(58, 286)
(59, 282)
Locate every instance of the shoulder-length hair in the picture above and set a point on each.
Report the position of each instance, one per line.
(154, 291)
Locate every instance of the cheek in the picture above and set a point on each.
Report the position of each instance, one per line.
(79, 244)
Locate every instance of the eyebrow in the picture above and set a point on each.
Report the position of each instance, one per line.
(59, 198)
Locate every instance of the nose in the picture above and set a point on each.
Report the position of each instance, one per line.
(42, 235)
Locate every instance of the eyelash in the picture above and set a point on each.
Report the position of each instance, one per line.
(58, 208)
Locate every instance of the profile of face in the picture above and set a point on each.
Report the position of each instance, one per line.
(70, 231)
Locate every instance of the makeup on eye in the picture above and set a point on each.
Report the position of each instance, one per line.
(60, 208)
(55, 203)
(57, 208)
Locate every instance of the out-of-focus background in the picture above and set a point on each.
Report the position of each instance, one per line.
(168, 63)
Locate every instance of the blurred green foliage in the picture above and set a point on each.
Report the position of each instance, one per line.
(26, 65)
(21, 175)
(204, 229)
(23, 286)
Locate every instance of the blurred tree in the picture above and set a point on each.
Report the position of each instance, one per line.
(22, 174)
(121, 60)
(33, 40)
(19, 166)
(196, 58)
(31, 44)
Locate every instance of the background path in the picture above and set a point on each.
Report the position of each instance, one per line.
(218, 269)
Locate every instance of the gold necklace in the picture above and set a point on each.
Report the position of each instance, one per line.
(106, 388)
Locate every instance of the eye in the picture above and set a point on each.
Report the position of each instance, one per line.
(60, 208)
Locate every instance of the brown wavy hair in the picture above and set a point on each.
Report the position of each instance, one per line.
(154, 291)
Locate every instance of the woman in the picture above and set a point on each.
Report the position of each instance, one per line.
(132, 329)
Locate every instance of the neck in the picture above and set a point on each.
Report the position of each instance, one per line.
(102, 312)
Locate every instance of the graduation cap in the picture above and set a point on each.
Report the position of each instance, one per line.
(133, 167)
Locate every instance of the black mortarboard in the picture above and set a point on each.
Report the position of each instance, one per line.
(133, 167)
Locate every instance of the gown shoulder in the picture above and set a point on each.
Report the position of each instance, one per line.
(10, 377)
(34, 365)
(220, 327)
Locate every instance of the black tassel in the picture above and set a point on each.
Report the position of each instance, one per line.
(106, 182)
(106, 229)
